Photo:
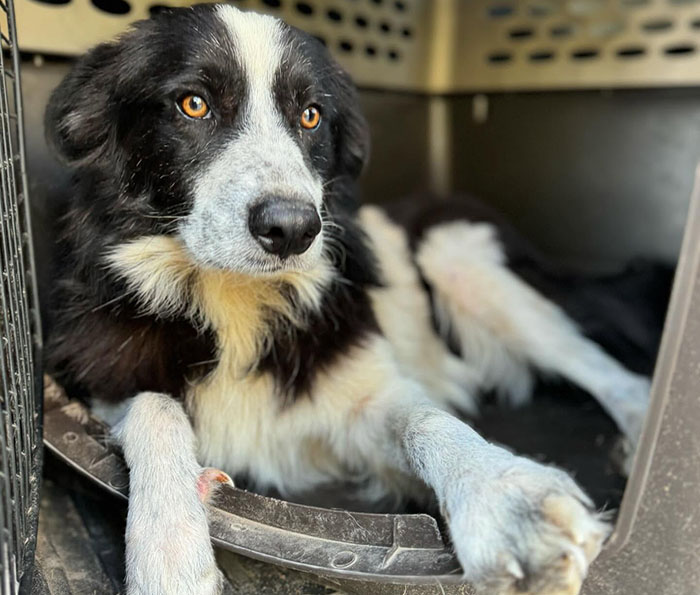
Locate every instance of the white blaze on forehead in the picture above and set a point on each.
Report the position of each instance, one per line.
(261, 158)
(259, 47)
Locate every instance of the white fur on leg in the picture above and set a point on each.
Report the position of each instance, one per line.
(504, 325)
(517, 526)
(403, 311)
(168, 551)
(110, 413)
(464, 264)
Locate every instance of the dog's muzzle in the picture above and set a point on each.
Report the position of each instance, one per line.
(284, 226)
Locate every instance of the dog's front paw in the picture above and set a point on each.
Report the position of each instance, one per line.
(168, 548)
(525, 528)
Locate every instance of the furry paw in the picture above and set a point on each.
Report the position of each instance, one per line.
(77, 412)
(209, 482)
(629, 402)
(628, 405)
(525, 529)
(54, 395)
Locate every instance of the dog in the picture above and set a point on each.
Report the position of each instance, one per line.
(224, 300)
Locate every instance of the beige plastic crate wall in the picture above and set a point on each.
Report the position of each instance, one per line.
(442, 46)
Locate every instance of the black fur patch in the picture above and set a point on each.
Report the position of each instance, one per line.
(113, 356)
(345, 319)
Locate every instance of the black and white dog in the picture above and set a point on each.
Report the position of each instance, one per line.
(224, 298)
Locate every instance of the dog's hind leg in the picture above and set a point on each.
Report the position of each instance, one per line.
(403, 311)
(168, 551)
(503, 325)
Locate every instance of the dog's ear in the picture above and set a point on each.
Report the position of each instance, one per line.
(84, 111)
(78, 114)
(352, 140)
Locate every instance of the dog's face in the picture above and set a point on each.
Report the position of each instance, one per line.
(229, 129)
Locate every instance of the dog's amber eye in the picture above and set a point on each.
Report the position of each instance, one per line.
(194, 106)
(310, 117)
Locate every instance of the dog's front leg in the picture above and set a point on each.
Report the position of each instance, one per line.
(168, 550)
(516, 525)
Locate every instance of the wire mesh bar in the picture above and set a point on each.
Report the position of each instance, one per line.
(20, 338)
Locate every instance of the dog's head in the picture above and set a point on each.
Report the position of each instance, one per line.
(230, 129)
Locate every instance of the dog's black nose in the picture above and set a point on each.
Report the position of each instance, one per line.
(283, 226)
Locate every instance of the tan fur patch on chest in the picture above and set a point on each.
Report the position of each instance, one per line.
(238, 308)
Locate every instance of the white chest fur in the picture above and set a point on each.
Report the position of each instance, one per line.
(242, 425)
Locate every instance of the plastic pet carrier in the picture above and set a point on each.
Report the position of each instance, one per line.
(20, 390)
(579, 119)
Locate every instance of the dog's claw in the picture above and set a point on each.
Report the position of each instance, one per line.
(209, 481)
(513, 567)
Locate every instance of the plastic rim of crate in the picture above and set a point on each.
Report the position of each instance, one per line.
(403, 549)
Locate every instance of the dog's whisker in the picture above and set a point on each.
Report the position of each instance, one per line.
(110, 302)
(171, 217)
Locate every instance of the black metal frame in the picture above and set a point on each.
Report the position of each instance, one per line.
(20, 331)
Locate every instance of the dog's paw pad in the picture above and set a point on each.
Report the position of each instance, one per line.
(209, 482)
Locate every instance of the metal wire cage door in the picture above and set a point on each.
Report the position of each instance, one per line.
(20, 388)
